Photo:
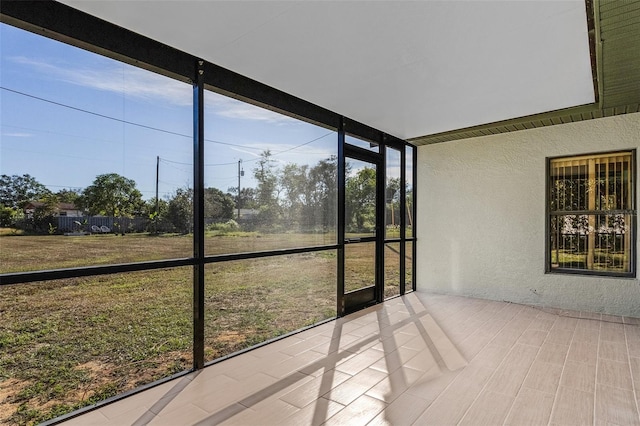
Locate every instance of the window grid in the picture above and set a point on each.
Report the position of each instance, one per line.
(592, 213)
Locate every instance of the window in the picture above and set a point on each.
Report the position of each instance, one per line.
(591, 221)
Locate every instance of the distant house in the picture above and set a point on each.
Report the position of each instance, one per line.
(62, 209)
(248, 214)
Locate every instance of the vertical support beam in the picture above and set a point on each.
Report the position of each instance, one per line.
(198, 218)
(157, 212)
(414, 232)
(340, 180)
(381, 184)
(403, 219)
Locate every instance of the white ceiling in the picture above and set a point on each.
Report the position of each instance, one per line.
(409, 68)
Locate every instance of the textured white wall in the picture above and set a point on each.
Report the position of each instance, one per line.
(481, 217)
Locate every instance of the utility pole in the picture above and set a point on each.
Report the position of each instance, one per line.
(157, 200)
(240, 173)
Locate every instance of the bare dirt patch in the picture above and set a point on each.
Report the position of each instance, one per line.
(8, 390)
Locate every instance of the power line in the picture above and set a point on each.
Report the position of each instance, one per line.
(94, 113)
(144, 126)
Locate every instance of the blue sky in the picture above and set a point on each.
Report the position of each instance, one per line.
(68, 115)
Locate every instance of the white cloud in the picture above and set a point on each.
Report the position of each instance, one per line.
(123, 79)
(18, 135)
(148, 86)
(232, 108)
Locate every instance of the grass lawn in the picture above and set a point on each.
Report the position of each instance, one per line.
(69, 343)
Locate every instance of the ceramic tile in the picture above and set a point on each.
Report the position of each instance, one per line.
(615, 406)
(635, 373)
(346, 392)
(531, 408)
(275, 390)
(314, 414)
(404, 410)
(266, 413)
(449, 407)
(543, 377)
(572, 407)
(491, 356)
(632, 332)
(507, 337)
(633, 348)
(566, 323)
(423, 361)
(453, 402)
(612, 318)
(580, 376)
(533, 337)
(292, 365)
(418, 343)
(276, 346)
(314, 389)
(189, 414)
(389, 388)
(614, 374)
(394, 360)
(591, 315)
(560, 336)
(304, 345)
(569, 313)
(391, 364)
(356, 364)
(585, 335)
(93, 418)
(392, 343)
(473, 344)
(614, 351)
(583, 352)
(510, 374)
(432, 383)
(360, 412)
(226, 395)
(493, 326)
(447, 350)
(588, 324)
(339, 343)
(553, 353)
(631, 320)
(612, 332)
(489, 409)
(266, 360)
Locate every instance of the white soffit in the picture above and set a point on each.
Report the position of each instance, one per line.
(409, 68)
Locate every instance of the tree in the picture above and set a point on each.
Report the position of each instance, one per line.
(247, 197)
(112, 195)
(294, 182)
(42, 218)
(361, 201)
(68, 195)
(392, 201)
(180, 210)
(266, 192)
(16, 191)
(9, 216)
(323, 186)
(267, 180)
(218, 206)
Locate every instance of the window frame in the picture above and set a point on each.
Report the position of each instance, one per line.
(549, 214)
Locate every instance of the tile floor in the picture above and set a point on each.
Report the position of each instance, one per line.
(421, 359)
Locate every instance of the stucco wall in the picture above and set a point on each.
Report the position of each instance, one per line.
(481, 217)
